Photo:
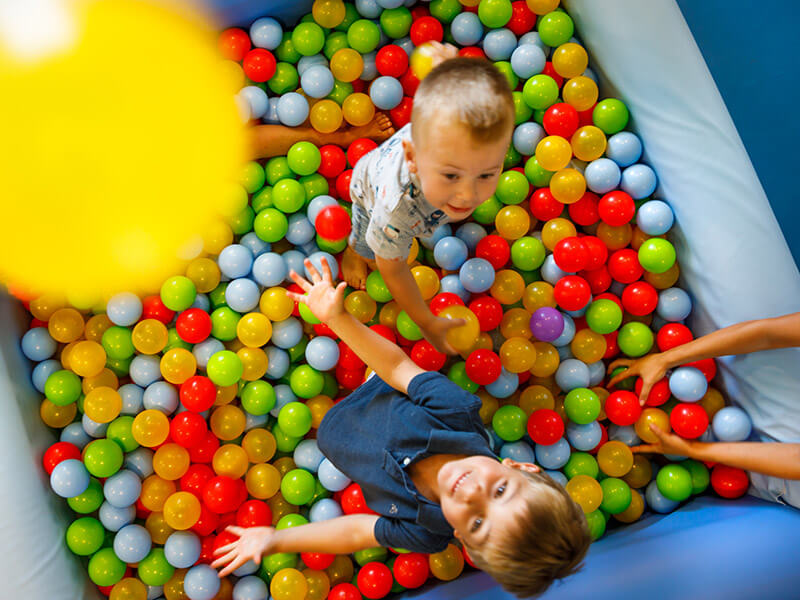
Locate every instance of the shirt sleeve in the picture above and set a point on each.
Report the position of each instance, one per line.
(388, 234)
(435, 391)
(396, 533)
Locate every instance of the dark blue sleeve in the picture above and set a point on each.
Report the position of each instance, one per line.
(436, 392)
(396, 533)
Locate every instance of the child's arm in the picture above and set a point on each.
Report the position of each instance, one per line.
(327, 303)
(400, 281)
(267, 141)
(770, 458)
(741, 338)
(341, 535)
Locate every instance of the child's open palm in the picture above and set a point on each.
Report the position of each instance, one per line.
(252, 544)
(324, 300)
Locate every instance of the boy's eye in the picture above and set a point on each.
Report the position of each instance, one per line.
(487, 175)
(500, 491)
(450, 176)
(476, 525)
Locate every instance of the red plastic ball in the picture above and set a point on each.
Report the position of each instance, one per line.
(550, 71)
(707, 366)
(640, 298)
(483, 366)
(489, 312)
(221, 494)
(586, 117)
(195, 479)
(572, 292)
(333, 162)
(410, 83)
(584, 211)
(616, 208)
(348, 359)
(350, 378)
(58, 452)
(323, 330)
(419, 11)
(204, 451)
(689, 421)
(375, 579)
(344, 591)
(659, 393)
(319, 561)
(333, 223)
(522, 19)
(495, 249)
(411, 570)
(359, 148)
(729, 482)
(207, 523)
(599, 280)
(672, 335)
(343, 185)
(401, 114)
(254, 513)
(233, 44)
(598, 252)
(545, 426)
(622, 407)
(571, 254)
(426, 29)
(259, 65)
(153, 308)
(560, 119)
(612, 297)
(612, 347)
(207, 549)
(226, 520)
(427, 357)
(187, 429)
(544, 205)
(444, 299)
(472, 52)
(198, 393)
(353, 502)
(193, 325)
(391, 60)
(624, 266)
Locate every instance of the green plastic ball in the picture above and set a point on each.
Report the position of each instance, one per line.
(277, 168)
(444, 10)
(512, 157)
(368, 555)
(581, 463)
(308, 39)
(294, 418)
(335, 42)
(285, 79)
(505, 68)
(341, 90)
(509, 422)
(582, 405)
(178, 293)
(258, 397)
(283, 442)
(351, 15)
(540, 91)
(272, 563)
(314, 185)
(306, 382)
(286, 52)
(271, 225)
(105, 568)
(597, 524)
(119, 366)
(363, 36)
(85, 536)
(102, 458)
(616, 495)
(62, 387)
(223, 323)
(555, 28)
(604, 316)
(120, 431)
(242, 222)
(291, 520)
(538, 176)
(331, 246)
(217, 298)
(288, 196)
(297, 486)
(304, 158)
(154, 569)
(657, 255)
(407, 327)
(527, 253)
(298, 351)
(307, 315)
(487, 210)
(377, 288)
(699, 473)
(495, 13)
(628, 384)
(331, 387)
(90, 500)
(512, 187)
(522, 112)
(251, 176)
(610, 115)
(396, 22)
(175, 341)
(224, 368)
(458, 375)
(117, 342)
(674, 482)
(635, 339)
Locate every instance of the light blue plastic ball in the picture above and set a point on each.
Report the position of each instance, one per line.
(255, 244)
(528, 59)
(144, 370)
(124, 309)
(471, 234)
(674, 304)
(310, 248)
(499, 44)
(247, 568)
(306, 62)
(317, 204)
(322, 353)
(271, 116)
(406, 44)
(37, 344)
(688, 384)
(278, 362)
(731, 424)
(93, 428)
(317, 81)
(639, 181)
(256, 100)
(122, 488)
(286, 334)
(250, 588)
(590, 74)
(553, 456)
(450, 253)
(114, 518)
(324, 509)
(442, 231)
(624, 148)
(43, 370)
(558, 477)
(140, 461)
(308, 456)
(201, 583)
(624, 433)
(316, 260)
(550, 271)
(292, 109)
(205, 350)
(391, 3)
(503, 386)
(266, 33)
(235, 261)
(526, 136)
(202, 302)
(602, 175)
(567, 334)
(369, 9)
(300, 231)
(255, 421)
(331, 478)
(74, 434)
(294, 262)
(466, 29)
(584, 437)
(452, 284)
(370, 70)
(161, 396)
(532, 37)
(597, 372)
(386, 92)
(655, 217)
(242, 295)
(69, 478)
(657, 501)
(270, 269)
(283, 396)
(476, 275)
(182, 549)
(132, 543)
(564, 352)
(519, 451)
(580, 312)
(571, 374)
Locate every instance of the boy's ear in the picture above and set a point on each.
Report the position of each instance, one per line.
(522, 466)
(410, 154)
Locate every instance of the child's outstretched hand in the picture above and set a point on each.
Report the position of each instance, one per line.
(324, 300)
(442, 52)
(436, 333)
(667, 443)
(651, 369)
(252, 544)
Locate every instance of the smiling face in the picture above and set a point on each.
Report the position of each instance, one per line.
(457, 173)
(480, 496)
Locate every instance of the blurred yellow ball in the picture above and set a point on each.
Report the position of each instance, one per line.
(555, 230)
(158, 527)
(105, 378)
(508, 287)
(388, 314)
(328, 13)
(615, 238)
(96, 326)
(662, 281)
(347, 64)
(570, 60)
(87, 358)
(275, 304)
(553, 153)
(586, 492)
(45, 305)
(463, 337)
(538, 294)
(150, 428)
(358, 109)
(512, 222)
(262, 481)
(102, 404)
(65, 325)
(588, 143)
(712, 402)
(517, 354)
(360, 305)
(615, 458)
(421, 60)
(155, 491)
(580, 92)
(516, 322)
(427, 281)
(150, 336)
(535, 397)
(489, 406)
(204, 273)
(254, 330)
(547, 360)
(326, 116)
(640, 473)
(567, 186)
(447, 564)
(227, 422)
(217, 235)
(259, 444)
(588, 346)
(542, 7)
(129, 588)
(55, 416)
(319, 584)
(171, 462)
(182, 510)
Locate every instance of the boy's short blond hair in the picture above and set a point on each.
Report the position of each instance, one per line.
(549, 542)
(467, 91)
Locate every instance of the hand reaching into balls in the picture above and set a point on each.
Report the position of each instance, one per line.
(324, 299)
(253, 543)
(651, 369)
(667, 443)
(441, 52)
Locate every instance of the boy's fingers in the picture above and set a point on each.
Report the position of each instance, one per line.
(236, 530)
(312, 270)
(301, 281)
(453, 323)
(296, 297)
(644, 448)
(619, 377)
(224, 560)
(327, 276)
(646, 387)
(620, 362)
(232, 567)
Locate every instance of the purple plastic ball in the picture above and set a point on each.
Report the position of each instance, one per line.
(547, 324)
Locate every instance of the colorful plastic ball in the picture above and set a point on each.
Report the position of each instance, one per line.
(102, 458)
(426, 29)
(104, 568)
(201, 583)
(584, 437)
(333, 223)
(512, 222)
(731, 424)
(448, 564)
(266, 32)
(657, 501)
(545, 427)
(572, 293)
(527, 60)
(476, 275)
(328, 13)
(655, 217)
(582, 405)
(674, 482)
(651, 416)
(572, 374)
(602, 175)
(604, 316)
(463, 337)
(132, 543)
(374, 580)
(622, 408)
(508, 286)
(547, 324)
(498, 44)
(657, 255)
(639, 181)
(539, 92)
(233, 44)
(581, 92)
(69, 478)
(570, 60)
(483, 366)
(586, 492)
(688, 384)
(363, 36)
(610, 115)
(124, 309)
(386, 92)
(259, 65)
(729, 482)
(466, 29)
(635, 339)
(615, 459)
(689, 421)
(292, 109)
(555, 455)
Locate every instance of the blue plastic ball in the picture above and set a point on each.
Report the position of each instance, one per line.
(391, 3)
(471, 234)
(503, 386)
(242, 295)
(597, 372)
(316, 260)
(256, 100)
(655, 217)
(558, 477)
(370, 70)
(300, 231)
(528, 60)
(205, 350)
(283, 396)
(369, 9)
(657, 501)
(476, 275)
(526, 136)
(571, 374)
(519, 451)
(442, 231)
(532, 37)
(331, 478)
(182, 549)
(140, 461)
(278, 362)
(452, 284)
(255, 244)
(639, 181)
(688, 384)
(308, 456)
(450, 253)
(124, 309)
(294, 262)
(386, 92)
(322, 353)
(406, 44)
(250, 588)
(584, 437)
(270, 269)
(466, 29)
(266, 33)
(202, 302)
(114, 518)
(317, 81)
(602, 175)
(731, 424)
(499, 44)
(161, 396)
(324, 509)
(287, 333)
(306, 62)
(550, 271)
(563, 340)
(235, 261)
(144, 370)
(122, 488)
(74, 434)
(553, 456)
(37, 344)
(624, 148)
(271, 116)
(132, 543)
(624, 433)
(43, 370)
(93, 428)
(69, 478)
(201, 583)
(292, 109)
(674, 304)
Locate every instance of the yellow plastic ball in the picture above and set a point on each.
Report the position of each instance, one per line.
(326, 116)
(171, 461)
(360, 305)
(547, 360)
(230, 460)
(347, 64)
(542, 7)
(150, 336)
(588, 143)
(182, 510)
(226, 394)
(102, 404)
(262, 481)
(328, 13)
(358, 109)
(508, 286)
(150, 428)
(216, 237)
(712, 402)
(463, 337)
(568, 186)
(586, 492)
(66, 325)
(341, 569)
(535, 397)
(254, 363)
(254, 330)
(275, 304)
(615, 458)
(106, 378)
(288, 584)
(259, 444)
(512, 222)
(662, 281)
(517, 354)
(204, 273)
(87, 358)
(158, 527)
(177, 365)
(489, 406)
(319, 406)
(634, 510)
(421, 60)
(45, 305)
(388, 314)
(640, 473)
(284, 464)
(413, 251)
(570, 60)
(227, 422)
(615, 238)
(516, 322)
(427, 281)
(96, 326)
(55, 416)
(319, 584)
(538, 294)
(447, 564)
(155, 491)
(651, 416)
(553, 153)
(580, 92)
(588, 346)
(555, 230)
(129, 588)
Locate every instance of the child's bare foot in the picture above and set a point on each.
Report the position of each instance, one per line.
(378, 130)
(354, 269)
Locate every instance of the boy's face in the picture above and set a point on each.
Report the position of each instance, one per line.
(480, 495)
(457, 174)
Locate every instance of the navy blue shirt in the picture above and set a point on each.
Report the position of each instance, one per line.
(374, 434)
